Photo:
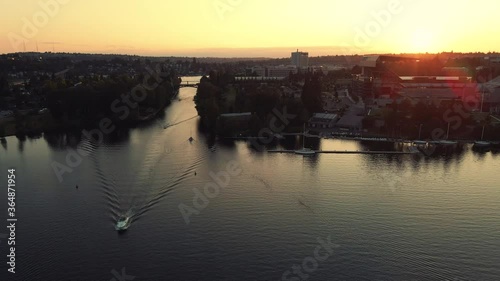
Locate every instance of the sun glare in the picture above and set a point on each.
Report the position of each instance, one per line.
(422, 41)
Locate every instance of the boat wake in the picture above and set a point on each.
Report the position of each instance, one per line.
(157, 178)
(168, 125)
(264, 182)
(105, 181)
(165, 185)
(128, 196)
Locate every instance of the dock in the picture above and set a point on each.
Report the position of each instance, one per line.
(351, 152)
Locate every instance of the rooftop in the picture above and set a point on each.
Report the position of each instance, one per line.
(440, 93)
(328, 116)
(236, 114)
(350, 120)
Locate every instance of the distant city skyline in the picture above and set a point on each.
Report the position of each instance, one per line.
(223, 28)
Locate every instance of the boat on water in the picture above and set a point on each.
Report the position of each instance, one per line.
(413, 150)
(191, 139)
(304, 151)
(122, 224)
(481, 144)
(420, 142)
(279, 136)
(446, 142)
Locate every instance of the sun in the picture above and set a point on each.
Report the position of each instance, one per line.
(422, 41)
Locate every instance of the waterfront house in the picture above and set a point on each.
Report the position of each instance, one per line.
(323, 120)
(350, 122)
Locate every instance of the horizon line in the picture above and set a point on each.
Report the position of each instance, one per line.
(244, 57)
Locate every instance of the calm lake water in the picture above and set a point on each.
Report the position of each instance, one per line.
(390, 217)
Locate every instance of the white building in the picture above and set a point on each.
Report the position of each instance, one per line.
(281, 71)
(300, 59)
(274, 71)
(259, 70)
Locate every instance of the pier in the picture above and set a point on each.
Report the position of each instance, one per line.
(189, 84)
(415, 151)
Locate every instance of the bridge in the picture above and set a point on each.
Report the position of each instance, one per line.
(189, 84)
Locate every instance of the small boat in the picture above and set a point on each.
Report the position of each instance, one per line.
(413, 150)
(304, 151)
(122, 224)
(279, 136)
(420, 142)
(481, 144)
(447, 142)
(191, 139)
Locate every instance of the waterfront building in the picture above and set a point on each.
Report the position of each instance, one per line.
(322, 120)
(350, 122)
(280, 71)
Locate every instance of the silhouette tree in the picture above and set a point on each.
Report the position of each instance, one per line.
(311, 93)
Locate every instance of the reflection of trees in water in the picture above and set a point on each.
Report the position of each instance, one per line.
(20, 144)
(158, 120)
(210, 140)
(377, 146)
(262, 144)
(290, 142)
(403, 167)
(312, 143)
(118, 136)
(72, 139)
(21, 140)
(3, 141)
(495, 152)
(480, 153)
(63, 140)
(227, 143)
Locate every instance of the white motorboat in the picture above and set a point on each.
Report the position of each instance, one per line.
(122, 224)
(420, 142)
(304, 151)
(481, 144)
(447, 142)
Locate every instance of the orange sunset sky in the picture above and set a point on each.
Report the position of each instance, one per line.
(248, 28)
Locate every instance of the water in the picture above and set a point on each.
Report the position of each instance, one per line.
(390, 217)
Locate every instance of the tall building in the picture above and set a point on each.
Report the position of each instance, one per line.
(300, 59)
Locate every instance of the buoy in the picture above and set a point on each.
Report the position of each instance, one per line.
(77, 186)
(195, 173)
